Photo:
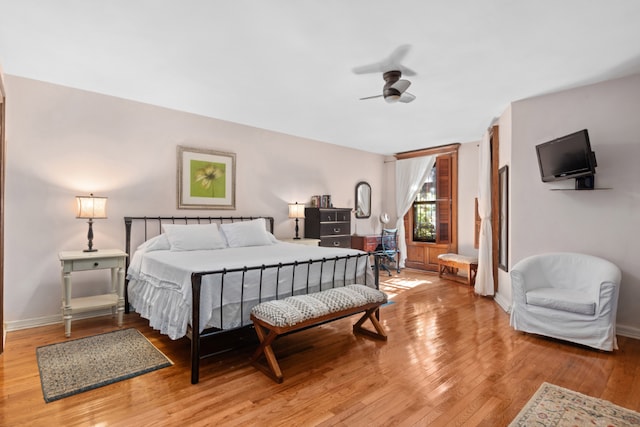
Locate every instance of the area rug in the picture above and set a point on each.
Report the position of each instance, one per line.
(83, 364)
(554, 406)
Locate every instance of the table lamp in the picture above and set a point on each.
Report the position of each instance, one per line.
(92, 208)
(296, 211)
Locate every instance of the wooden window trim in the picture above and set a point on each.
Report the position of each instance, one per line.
(440, 150)
(429, 250)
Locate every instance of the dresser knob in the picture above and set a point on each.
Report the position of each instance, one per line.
(95, 264)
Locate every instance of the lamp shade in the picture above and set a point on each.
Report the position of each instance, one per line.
(296, 210)
(91, 207)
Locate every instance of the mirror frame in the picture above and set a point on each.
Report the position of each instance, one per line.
(359, 208)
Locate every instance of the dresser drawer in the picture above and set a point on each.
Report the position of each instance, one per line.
(95, 264)
(335, 228)
(335, 215)
(336, 242)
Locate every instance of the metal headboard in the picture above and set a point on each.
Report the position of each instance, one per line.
(152, 226)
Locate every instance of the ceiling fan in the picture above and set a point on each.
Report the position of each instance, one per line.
(395, 88)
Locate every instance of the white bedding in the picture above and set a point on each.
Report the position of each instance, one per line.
(160, 282)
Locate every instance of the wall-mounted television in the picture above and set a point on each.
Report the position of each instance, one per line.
(568, 157)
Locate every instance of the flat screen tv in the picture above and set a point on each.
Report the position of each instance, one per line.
(567, 157)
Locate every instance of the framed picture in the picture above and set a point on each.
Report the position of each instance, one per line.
(206, 179)
(503, 242)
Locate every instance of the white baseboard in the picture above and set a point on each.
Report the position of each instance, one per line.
(502, 302)
(628, 331)
(17, 325)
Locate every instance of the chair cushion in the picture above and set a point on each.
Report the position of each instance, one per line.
(297, 309)
(562, 299)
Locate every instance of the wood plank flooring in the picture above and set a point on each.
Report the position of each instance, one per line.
(451, 359)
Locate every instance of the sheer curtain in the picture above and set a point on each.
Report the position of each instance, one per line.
(484, 276)
(410, 175)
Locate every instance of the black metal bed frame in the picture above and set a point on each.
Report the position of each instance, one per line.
(197, 338)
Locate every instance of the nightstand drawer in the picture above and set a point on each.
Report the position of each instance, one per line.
(95, 264)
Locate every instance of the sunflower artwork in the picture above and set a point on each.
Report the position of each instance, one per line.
(208, 179)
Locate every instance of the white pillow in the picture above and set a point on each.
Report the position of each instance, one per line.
(193, 237)
(157, 243)
(247, 233)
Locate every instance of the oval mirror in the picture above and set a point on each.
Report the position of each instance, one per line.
(363, 200)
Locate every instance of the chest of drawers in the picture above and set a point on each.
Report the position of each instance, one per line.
(331, 225)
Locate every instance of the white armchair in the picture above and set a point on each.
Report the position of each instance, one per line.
(569, 296)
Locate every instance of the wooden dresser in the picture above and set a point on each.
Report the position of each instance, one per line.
(367, 243)
(331, 225)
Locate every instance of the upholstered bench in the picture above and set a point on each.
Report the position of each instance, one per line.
(450, 263)
(277, 317)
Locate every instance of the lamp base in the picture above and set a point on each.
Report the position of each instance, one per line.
(296, 238)
(90, 238)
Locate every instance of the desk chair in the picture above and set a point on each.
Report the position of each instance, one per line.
(388, 249)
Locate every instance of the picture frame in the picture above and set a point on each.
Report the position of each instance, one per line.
(503, 232)
(206, 179)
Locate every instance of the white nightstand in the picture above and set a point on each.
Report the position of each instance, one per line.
(71, 261)
(303, 241)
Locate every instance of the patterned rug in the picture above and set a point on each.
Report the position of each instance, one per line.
(555, 406)
(83, 364)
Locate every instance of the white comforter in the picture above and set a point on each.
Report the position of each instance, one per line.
(160, 282)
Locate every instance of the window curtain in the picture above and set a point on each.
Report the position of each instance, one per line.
(410, 175)
(484, 276)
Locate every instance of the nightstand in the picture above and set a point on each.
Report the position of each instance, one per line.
(71, 261)
(301, 241)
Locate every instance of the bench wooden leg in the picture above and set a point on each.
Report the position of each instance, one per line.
(265, 348)
(370, 314)
(473, 271)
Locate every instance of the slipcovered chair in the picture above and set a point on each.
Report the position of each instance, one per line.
(568, 296)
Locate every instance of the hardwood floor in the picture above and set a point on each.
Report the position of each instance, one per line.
(451, 359)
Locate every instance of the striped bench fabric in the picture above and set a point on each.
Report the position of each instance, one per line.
(277, 317)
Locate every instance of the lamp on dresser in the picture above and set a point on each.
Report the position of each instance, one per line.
(296, 211)
(91, 207)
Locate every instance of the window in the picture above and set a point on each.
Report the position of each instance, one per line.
(432, 206)
(424, 210)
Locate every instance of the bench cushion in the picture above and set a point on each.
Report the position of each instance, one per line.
(299, 308)
(460, 259)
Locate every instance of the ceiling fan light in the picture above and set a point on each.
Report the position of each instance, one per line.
(392, 98)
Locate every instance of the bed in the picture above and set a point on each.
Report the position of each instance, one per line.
(199, 277)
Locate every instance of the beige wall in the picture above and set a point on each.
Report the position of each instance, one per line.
(604, 223)
(63, 142)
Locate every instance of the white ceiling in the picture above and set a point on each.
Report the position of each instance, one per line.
(286, 65)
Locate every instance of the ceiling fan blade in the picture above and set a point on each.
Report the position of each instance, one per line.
(401, 85)
(394, 61)
(390, 63)
(371, 97)
(399, 53)
(366, 69)
(407, 71)
(406, 97)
